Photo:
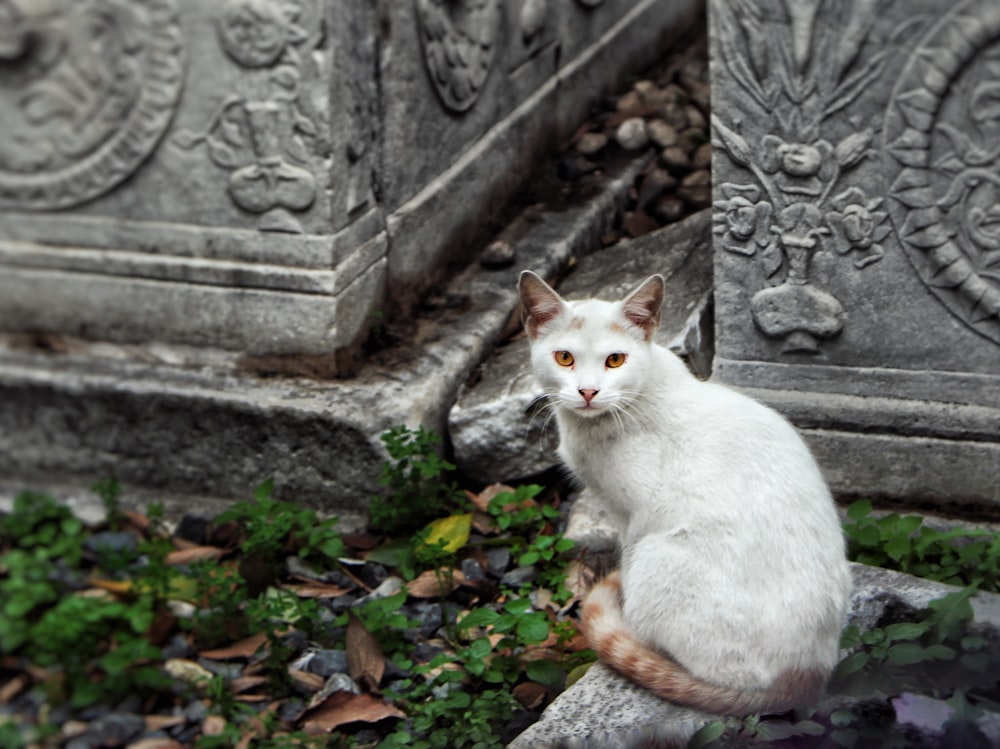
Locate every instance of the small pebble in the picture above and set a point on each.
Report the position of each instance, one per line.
(111, 542)
(326, 663)
(676, 160)
(654, 184)
(497, 561)
(675, 115)
(662, 133)
(591, 143)
(696, 189)
(637, 223)
(497, 255)
(574, 165)
(519, 576)
(695, 117)
(472, 570)
(631, 134)
(669, 209)
(702, 157)
(629, 103)
(691, 138)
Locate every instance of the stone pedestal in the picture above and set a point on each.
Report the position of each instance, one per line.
(857, 175)
(270, 176)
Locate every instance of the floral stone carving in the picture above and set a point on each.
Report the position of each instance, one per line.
(458, 39)
(264, 142)
(87, 90)
(945, 189)
(795, 214)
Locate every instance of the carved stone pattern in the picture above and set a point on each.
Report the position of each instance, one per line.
(263, 141)
(945, 178)
(87, 100)
(791, 215)
(458, 43)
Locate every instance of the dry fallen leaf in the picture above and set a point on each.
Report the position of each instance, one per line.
(213, 725)
(530, 694)
(160, 742)
(12, 688)
(194, 554)
(315, 590)
(427, 585)
(161, 722)
(306, 682)
(344, 707)
(242, 649)
(481, 501)
(244, 683)
(188, 671)
(364, 656)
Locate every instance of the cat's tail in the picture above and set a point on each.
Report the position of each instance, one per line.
(608, 634)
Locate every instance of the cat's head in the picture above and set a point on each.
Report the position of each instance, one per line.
(591, 357)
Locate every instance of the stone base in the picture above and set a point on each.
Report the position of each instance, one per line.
(926, 438)
(175, 422)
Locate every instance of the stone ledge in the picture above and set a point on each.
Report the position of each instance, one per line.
(187, 422)
(604, 711)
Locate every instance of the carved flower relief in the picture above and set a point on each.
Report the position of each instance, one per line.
(255, 33)
(743, 219)
(858, 226)
(801, 170)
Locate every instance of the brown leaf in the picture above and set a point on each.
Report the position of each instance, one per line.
(194, 554)
(12, 688)
(364, 656)
(312, 589)
(306, 682)
(161, 742)
(530, 694)
(244, 683)
(481, 501)
(426, 584)
(162, 722)
(137, 520)
(344, 707)
(242, 649)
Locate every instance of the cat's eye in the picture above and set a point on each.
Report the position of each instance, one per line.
(564, 358)
(614, 361)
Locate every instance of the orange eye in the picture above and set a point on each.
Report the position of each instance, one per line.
(614, 361)
(564, 358)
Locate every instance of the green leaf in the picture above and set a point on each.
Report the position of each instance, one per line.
(478, 618)
(906, 653)
(778, 730)
(546, 673)
(852, 664)
(905, 631)
(897, 547)
(577, 673)
(264, 490)
(533, 628)
(480, 648)
(707, 734)
(859, 510)
(517, 606)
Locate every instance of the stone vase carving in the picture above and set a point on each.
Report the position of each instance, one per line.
(795, 213)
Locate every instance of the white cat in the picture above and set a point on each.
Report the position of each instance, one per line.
(734, 585)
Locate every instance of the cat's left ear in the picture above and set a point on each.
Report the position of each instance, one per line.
(642, 306)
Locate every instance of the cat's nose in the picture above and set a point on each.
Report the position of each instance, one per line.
(588, 395)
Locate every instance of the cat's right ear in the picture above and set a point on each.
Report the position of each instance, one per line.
(539, 302)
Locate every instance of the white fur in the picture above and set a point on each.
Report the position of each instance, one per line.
(732, 555)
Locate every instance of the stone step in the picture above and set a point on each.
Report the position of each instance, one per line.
(603, 710)
(498, 426)
(193, 427)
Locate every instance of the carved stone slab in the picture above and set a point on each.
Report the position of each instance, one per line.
(234, 173)
(857, 247)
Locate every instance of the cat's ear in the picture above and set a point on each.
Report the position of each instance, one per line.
(539, 302)
(642, 306)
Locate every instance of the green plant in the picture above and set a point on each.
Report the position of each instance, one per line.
(417, 489)
(902, 542)
(518, 512)
(273, 528)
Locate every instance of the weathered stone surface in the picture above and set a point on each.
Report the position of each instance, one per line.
(604, 710)
(238, 171)
(181, 425)
(852, 257)
(499, 430)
